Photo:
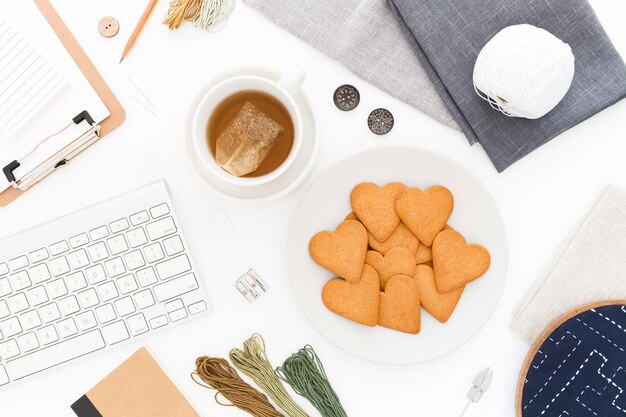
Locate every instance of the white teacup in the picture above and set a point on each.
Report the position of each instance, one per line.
(283, 90)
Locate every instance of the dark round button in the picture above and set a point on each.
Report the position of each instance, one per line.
(380, 121)
(346, 97)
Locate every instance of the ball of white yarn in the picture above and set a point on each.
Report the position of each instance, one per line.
(524, 71)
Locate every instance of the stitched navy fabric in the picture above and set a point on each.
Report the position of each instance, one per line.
(580, 370)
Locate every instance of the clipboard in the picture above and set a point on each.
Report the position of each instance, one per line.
(89, 71)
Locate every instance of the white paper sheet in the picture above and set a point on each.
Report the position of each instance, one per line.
(77, 96)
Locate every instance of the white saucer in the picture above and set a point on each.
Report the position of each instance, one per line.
(475, 215)
(282, 185)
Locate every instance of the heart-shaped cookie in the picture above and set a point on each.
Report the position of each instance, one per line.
(401, 237)
(424, 254)
(342, 252)
(425, 213)
(455, 262)
(439, 305)
(398, 261)
(376, 207)
(400, 305)
(359, 301)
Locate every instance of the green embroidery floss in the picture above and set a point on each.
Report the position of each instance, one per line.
(253, 362)
(305, 373)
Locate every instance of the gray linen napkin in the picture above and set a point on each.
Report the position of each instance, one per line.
(590, 266)
(365, 37)
(447, 36)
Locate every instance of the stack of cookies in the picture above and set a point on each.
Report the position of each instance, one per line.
(394, 254)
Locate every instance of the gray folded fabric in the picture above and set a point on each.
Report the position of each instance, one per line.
(590, 266)
(447, 36)
(365, 37)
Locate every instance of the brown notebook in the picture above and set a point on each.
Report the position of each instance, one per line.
(136, 388)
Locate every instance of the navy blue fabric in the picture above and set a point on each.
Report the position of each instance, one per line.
(580, 370)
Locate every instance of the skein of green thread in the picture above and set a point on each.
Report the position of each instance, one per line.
(305, 373)
(253, 362)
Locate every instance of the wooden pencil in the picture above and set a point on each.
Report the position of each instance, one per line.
(138, 28)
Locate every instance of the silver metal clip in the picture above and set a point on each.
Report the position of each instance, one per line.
(251, 286)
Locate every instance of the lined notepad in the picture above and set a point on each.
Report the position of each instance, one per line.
(28, 81)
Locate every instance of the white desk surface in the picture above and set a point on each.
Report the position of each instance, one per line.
(541, 198)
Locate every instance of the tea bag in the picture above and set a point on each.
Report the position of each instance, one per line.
(246, 141)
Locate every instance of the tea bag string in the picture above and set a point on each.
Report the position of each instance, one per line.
(253, 362)
(217, 374)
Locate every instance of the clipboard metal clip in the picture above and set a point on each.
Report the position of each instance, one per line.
(58, 159)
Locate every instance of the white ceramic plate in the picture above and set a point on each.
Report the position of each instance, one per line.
(282, 185)
(475, 215)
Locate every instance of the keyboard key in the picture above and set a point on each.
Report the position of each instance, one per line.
(56, 288)
(154, 252)
(50, 312)
(95, 274)
(144, 299)
(161, 228)
(37, 296)
(174, 305)
(98, 252)
(115, 267)
(160, 210)
(127, 284)
(68, 305)
(108, 291)
(28, 342)
(30, 320)
(173, 245)
(47, 335)
(4, 377)
(67, 328)
(124, 306)
(134, 260)
(79, 240)
(139, 218)
(157, 322)
(9, 349)
(20, 281)
(86, 320)
(39, 273)
(18, 263)
(75, 281)
(175, 287)
(99, 233)
(78, 259)
(59, 248)
(38, 255)
(119, 225)
(117, 245)
(173, 267)
(197, 308)
(10, 327)
(54, 355)
(88, 298)
(17, 303)
(5, 287)
(177, 315)
(4, 309)
(105, 313)
(4, 268)
(115, 333)
(137, 324)
(136, 237)
(146, 277)
(59, 266)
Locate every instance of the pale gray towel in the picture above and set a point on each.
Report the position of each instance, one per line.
(365, 37)
(590, 266)
(447, 36)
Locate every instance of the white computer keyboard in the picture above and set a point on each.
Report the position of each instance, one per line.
(93, 279)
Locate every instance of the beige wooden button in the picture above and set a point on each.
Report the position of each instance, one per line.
(108, 26)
